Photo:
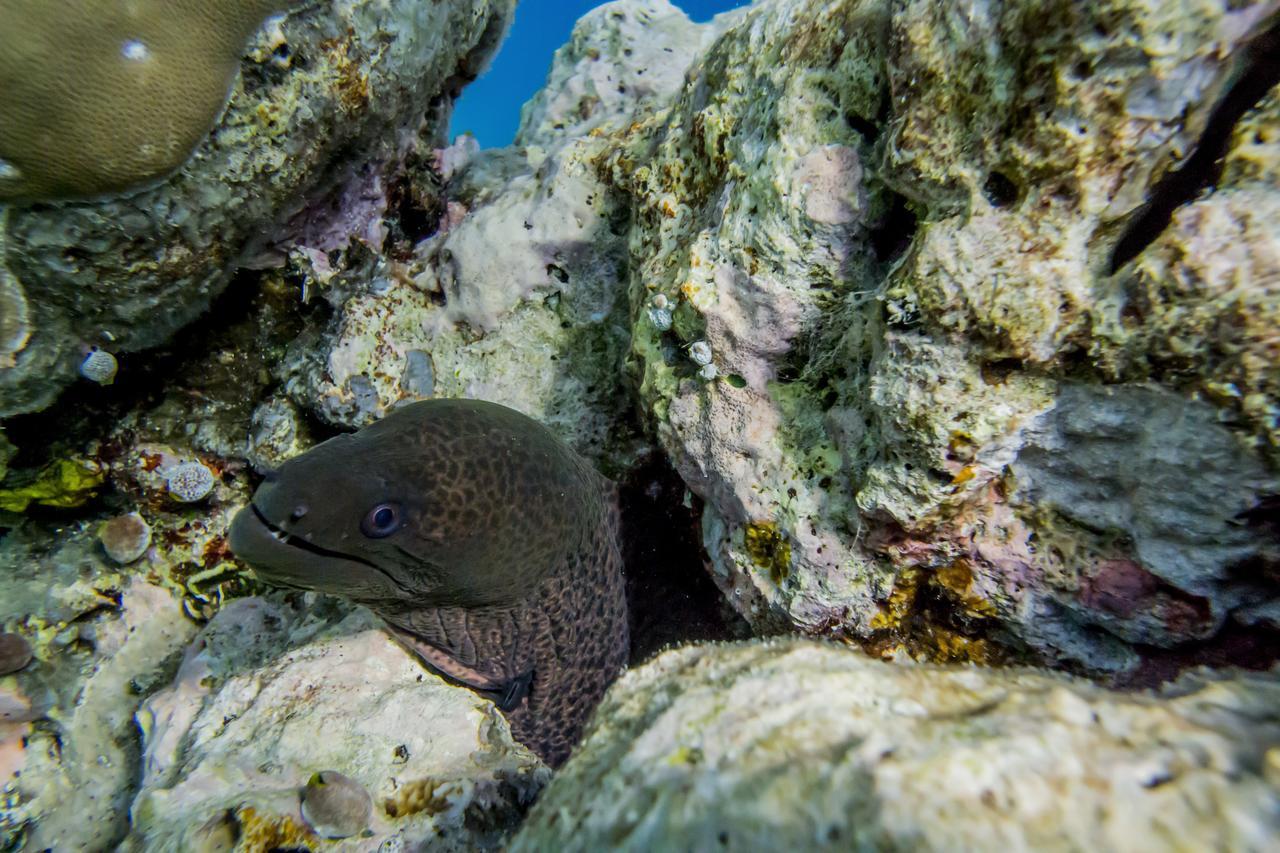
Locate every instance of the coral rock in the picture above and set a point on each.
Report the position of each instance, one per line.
(266, 695)
(130, 270)
(795, 745)
(947, 333)
(99, 97)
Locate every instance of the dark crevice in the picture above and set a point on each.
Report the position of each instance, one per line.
(1000, 190)
(671, 599)
(1253, 647)
(1260, 65)
(891, 237)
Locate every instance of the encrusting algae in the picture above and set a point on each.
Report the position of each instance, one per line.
(64, 483)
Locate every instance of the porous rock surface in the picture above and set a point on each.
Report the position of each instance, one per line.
(797, 745)
(518, 293)
(966, 395)
(266, 697)
(328, 79)
(69, 768)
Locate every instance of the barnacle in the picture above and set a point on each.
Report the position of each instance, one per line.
(99, 366)
(125, 538)
(335, 805)
(100, 96)
(189, 482)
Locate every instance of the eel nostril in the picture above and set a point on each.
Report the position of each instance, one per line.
(298, 512)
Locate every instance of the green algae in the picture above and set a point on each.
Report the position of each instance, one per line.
(62, 484)
(769, 548)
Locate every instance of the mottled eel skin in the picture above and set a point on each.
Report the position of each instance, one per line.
(488, 546)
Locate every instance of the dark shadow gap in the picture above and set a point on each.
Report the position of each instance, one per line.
(671, 599)
(1261, 71)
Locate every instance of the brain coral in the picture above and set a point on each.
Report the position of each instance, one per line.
(98, 96)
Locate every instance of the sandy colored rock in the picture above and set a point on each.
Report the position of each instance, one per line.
(257, 709)
(518, 296)
(942, 384)
(78, 767)
(795, 745)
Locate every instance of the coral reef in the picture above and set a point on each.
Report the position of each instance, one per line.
(127, 271)
(958, 321)
(515, 298)
(796, 745)
(515, 290)
(890, 317)
(101, 97)
(79, 760)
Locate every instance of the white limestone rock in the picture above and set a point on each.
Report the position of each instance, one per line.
(266, 697)
(796, 745)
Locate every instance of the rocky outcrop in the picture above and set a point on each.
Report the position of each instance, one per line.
(126, 272)
(267, 697)
(795, 745)
(517, 293)
(905, 317)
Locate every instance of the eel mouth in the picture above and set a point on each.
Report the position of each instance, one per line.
(284, 537)
(285, 559)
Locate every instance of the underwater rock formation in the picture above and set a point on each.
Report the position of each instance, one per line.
(78, 763)
(266, 696)
(897, 318)
(124, 273)
(515, 298)
(516, 292)
(796, 745)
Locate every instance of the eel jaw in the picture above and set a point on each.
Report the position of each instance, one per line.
(285, 560)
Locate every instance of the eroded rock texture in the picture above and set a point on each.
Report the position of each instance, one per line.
(963, 387)
(266, 697)
(277, 170)
(795, 745)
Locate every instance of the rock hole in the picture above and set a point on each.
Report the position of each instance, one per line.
(890, 238)
(671, 599)
(1261, 71)
(865, 128)
(1000, 190)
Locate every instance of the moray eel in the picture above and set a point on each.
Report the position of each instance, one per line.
(485, 543)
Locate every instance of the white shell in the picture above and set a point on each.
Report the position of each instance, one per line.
(99, 366)
(661, 318)
(700, 352)
(189, 482)
(708, 372)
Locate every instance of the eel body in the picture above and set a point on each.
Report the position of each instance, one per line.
(487, 545)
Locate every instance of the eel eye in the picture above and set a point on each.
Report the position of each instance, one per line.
(382, 520)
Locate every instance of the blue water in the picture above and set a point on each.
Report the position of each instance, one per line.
(489, 108)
